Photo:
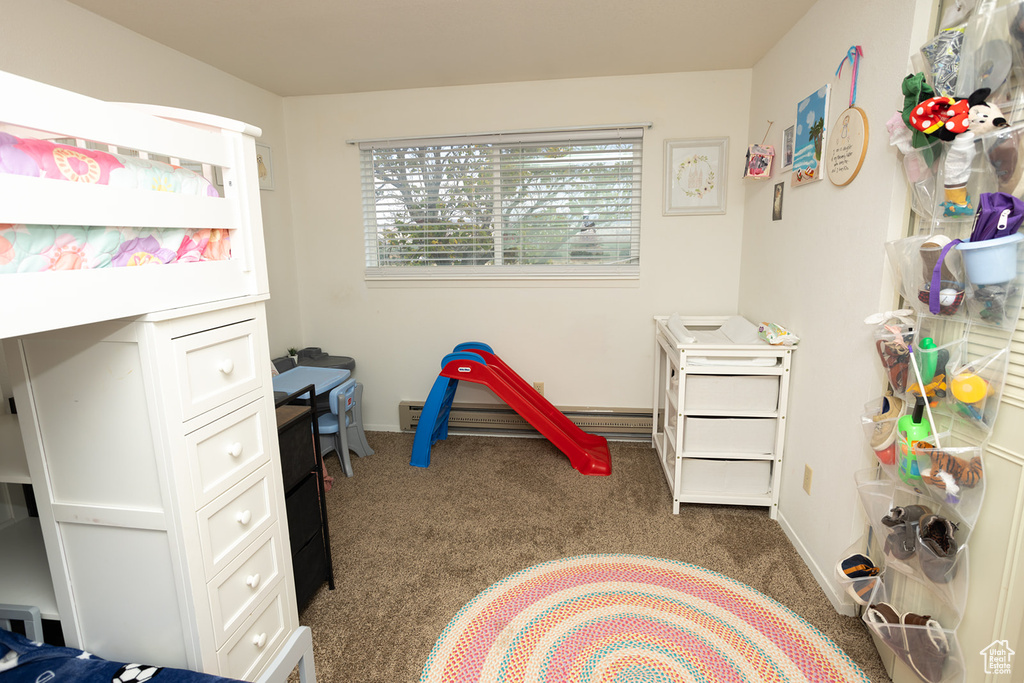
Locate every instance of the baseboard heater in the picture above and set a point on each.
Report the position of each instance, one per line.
(499, 419)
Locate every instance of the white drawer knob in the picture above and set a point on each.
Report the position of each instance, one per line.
(226, 366)
(260, 640)
(253, 581)
(244, 517)
(235, 449)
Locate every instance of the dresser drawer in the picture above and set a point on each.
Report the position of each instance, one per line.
(216, 366)
(225, 451)
(235, 519)
(303, 509)
(248, 579)
(252, 647)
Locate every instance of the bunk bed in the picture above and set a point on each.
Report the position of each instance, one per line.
(132, 289)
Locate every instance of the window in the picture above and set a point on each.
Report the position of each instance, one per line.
(538, 204)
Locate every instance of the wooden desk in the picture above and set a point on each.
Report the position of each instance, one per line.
(306, 506)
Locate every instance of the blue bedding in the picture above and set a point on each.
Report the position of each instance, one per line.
(23, 661)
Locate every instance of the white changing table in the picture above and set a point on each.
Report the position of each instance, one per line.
(719, 417)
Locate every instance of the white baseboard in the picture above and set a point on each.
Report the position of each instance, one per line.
(838, 600)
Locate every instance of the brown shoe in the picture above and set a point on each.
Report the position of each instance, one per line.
(938, 556)
(885, 621)
(927, 648)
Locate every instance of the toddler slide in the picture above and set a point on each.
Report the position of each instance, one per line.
(476, 362)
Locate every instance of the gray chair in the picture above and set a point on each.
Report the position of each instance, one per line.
(24, 613)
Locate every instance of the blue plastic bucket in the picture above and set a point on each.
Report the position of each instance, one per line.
(991, 262)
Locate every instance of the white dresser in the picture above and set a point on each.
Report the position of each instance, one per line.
(152, 449)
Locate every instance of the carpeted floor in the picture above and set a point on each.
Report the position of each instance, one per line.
(411, 546)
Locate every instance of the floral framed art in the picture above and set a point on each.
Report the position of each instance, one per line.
(695, 176)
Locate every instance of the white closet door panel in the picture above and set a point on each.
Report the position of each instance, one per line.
(91, 400)
(124, 592)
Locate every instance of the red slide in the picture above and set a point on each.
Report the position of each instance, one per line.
(588, 453)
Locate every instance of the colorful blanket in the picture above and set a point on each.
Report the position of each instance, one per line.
(44, 159)
(23, 661)
(36, 248)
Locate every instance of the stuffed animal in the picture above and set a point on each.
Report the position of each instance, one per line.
(945, 117)
(980, 118)
(965, 473)
(984, 117)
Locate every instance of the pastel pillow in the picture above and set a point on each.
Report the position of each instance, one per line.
(679, 331)
(739, 330)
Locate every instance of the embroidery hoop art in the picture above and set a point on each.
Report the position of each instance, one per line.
(848, 142)
(847, 146)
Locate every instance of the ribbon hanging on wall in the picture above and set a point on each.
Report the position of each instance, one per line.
(844, 154)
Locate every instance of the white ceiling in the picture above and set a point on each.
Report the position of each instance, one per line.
(316, 47)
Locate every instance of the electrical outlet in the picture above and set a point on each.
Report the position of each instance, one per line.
(807, 478)
(539, 387)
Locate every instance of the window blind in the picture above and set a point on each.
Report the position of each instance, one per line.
(522, 204)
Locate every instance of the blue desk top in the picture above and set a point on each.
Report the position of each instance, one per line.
(322, 379)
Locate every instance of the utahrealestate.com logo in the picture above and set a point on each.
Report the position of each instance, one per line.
(998, 657)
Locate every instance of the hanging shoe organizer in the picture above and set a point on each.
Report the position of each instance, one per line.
(945, 360)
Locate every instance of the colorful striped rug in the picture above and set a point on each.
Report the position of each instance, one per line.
(619, 618)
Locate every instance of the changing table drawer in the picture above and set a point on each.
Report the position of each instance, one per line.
(729, 435)
(225, 451)
(733, 393)
(252, 576)
(216, 366)
(234, 519)
(251, 648)
(733, 477)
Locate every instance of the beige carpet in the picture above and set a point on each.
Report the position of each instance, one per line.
(411, 546)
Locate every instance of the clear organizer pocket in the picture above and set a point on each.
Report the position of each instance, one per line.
(954, 477)
(994, 276)
(920, 167)
(921, 633)
(858, 571)
(975, 383)
(879, 423)
(892, 343)
(919, 538)
(916, 261)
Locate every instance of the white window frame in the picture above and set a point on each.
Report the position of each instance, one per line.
(497, 270)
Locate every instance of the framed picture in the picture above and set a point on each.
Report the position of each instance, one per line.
(695, 176)
(787, 147)
(809, 140)
(777, 201)
(759, 162)
(265, 167)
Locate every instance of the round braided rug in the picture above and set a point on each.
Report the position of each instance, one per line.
(627, 618)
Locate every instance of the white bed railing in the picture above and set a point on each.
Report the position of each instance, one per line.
(39, 301)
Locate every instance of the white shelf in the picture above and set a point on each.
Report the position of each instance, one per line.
(13, 466)
(24, 572)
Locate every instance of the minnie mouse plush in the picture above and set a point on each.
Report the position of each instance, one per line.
(946, 117)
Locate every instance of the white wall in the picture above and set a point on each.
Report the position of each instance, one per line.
(590, 343)
(61, 44)
(821, 269)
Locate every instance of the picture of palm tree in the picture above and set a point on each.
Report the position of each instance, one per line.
(811, 114)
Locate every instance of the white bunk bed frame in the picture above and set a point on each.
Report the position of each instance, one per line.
(32, 303)
(35, 302)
